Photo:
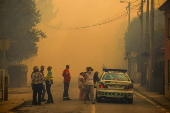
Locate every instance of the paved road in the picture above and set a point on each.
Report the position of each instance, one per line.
(140, 105)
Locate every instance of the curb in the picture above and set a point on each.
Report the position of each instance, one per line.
(152, 99)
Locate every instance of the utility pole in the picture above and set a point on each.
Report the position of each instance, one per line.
(6, 76)
(5, 44)
(128, 13)
(151, 47)
(146, 35)
(147, 18)
(126, 9)
(142, 42)
(129, 59)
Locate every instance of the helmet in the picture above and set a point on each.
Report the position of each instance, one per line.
(49, 67)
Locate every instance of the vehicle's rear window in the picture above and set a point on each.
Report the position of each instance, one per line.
(115, 76)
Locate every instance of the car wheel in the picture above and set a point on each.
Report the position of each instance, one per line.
(130, 100)
(98, 98)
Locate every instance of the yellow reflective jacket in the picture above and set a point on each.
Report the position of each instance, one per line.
(49, 77)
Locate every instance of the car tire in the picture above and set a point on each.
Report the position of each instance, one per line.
(130, 100)
(98, 98)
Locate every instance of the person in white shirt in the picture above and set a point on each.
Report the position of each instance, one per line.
(89, 85)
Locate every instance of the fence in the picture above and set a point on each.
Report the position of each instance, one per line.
(17, 75)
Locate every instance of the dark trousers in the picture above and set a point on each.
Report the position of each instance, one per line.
(66, 88)
(48, 88)
(43, 92)
(37, 89)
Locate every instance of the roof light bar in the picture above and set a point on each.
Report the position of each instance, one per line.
(120, 70)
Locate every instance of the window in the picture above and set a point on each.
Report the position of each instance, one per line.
(115, 76)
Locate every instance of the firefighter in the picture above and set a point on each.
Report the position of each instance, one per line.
(49, 82)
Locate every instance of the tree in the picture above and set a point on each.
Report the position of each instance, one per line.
(46, 7)
(48, 13)
(18, 23)
(133, 38)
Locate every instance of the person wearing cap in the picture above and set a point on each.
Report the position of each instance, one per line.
(89, 85)
(37, 80)
(67, 78)
(43, 90)
(49, 82)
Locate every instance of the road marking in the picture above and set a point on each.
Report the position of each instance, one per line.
(145, 98)
(93, 110)
(150, 101)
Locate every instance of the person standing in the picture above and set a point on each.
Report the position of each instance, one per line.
(67, 78)
(81, 85)
(95, 78)
(89, 85)
(37, 80)
(87, 68)
(49, 82)
(43, 87)
(34, 70)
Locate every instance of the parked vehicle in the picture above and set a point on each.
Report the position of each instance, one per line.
(114, 84)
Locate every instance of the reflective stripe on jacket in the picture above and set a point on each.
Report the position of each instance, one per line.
(49, 75)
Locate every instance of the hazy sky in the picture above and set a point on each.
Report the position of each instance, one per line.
(93, 46)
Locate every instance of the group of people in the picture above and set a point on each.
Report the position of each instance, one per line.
(86, 83)
(41, 84)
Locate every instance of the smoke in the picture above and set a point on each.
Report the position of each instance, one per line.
(80, 48)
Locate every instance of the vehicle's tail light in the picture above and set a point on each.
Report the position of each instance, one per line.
(101, 85)
(130, 86)
(115, 79)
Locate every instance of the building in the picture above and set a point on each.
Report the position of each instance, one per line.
(157, 84)
(166, 8)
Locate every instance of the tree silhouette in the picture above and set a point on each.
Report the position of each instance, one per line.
(46, 8)
(18, 20)
(133, 35)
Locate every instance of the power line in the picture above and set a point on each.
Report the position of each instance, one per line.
(119, 14)
(108, 20)
(134, 1)
(113, 16)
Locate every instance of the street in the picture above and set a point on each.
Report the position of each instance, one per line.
(128, 39)
(140, 105)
